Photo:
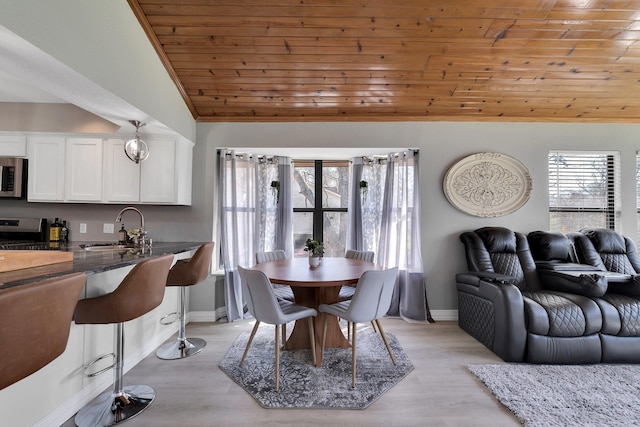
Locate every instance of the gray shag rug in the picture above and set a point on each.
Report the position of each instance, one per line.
(566, 395)
(302, 385)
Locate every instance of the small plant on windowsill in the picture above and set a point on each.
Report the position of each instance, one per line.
(364, 190)
(316, 250)
(275, 190)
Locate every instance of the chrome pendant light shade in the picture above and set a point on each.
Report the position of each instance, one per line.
(136, 149)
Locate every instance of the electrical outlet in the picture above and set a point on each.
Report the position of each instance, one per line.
(83, 228)
(107, 228)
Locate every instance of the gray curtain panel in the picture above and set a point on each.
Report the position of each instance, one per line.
(355, 238)
(284, 216)
(253, 217)
(229, 218)
(400, 236)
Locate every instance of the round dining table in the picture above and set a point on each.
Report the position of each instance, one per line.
(311, 287)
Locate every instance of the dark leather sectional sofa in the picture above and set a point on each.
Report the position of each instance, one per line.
(552, 298)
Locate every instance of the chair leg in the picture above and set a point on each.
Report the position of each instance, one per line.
(350, 326)
(277, 340)
(353, 356)
(253, 333)
(384, 338)
(324, 332)
(313, 340)
(284, 333)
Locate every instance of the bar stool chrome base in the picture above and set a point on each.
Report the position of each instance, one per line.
(180, 348)
(110, 408)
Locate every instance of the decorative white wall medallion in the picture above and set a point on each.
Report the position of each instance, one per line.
(487, 184)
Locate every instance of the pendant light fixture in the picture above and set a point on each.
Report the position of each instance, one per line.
(136, 149)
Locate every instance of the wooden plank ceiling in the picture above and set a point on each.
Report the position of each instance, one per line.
(386, 60)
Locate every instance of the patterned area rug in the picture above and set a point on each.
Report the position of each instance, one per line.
(302, 385)
(566, 395)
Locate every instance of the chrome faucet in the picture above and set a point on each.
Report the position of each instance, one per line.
(141, 239)
(131, 208)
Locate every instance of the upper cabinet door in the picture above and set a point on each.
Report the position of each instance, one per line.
(83, 172)
(121, 175)
(46, 169)
(13, 146)
(167, 174)
(158, 173)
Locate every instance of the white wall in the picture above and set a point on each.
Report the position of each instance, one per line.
(95, 55)
(440, 145)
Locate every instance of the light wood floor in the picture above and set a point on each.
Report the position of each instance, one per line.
(438, 392)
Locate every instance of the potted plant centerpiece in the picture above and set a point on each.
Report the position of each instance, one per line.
(316, 250)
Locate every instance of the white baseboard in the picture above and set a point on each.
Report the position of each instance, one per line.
(206, 316)
(214, 316)
(202, 316)
(444, 315)
(69, 408)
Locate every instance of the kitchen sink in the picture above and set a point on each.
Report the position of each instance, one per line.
(103, 247)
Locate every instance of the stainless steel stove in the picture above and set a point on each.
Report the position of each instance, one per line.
(24, 234)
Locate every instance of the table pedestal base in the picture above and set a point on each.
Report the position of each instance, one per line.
(299, 338)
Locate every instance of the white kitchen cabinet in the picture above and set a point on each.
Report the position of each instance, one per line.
(13, 146)
(96, 170)
(64, 170)
(46, 156)
(121, 183)
(163, 178)
(158, 173)
(83, 171)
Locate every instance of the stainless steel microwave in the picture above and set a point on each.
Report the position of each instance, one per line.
(13, 177)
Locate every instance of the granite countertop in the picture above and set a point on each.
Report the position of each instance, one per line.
(92, 262)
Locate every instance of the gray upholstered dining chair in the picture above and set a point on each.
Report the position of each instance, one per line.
(282, 291)
(270, 256)
(370, 302)
(265, 307)
(361, 255)
(346, 292)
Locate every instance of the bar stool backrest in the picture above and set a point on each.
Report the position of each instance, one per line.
(35, 320)
(140, 291)
(194, 270)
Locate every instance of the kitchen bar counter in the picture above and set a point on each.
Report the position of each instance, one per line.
(92, 262)
(60, 388)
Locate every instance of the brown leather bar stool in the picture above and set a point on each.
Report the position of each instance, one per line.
(35, 320)
(140, 291)
(186, 272)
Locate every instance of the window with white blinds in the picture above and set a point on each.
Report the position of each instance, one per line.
(583, 189)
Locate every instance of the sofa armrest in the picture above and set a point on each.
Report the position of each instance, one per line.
(629, 286)
(589, 284)
(564, 266)
(475, 277)
(491, 309)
